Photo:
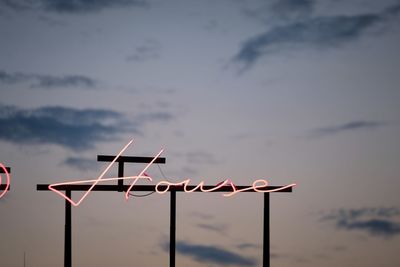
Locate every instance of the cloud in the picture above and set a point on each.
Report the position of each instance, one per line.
(374, 221)
(211, 254)
(70, 81)
(149, 50)
(249, 246)
(80, 163)
(290, 9)
(48, 81)
(13, 78)
(279, 11)
(70, 6)
(217, 228)
(354, 214)
(154, 116)
(76, 129)
(372, 226)
(347, 127)
(320, 32)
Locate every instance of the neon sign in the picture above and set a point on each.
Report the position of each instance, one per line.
(7, 180)
(257, 185)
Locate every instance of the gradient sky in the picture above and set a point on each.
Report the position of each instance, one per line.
(298, 91)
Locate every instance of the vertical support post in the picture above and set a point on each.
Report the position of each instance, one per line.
(120, 174)
(266, 230)
(172, 233)
(68, 236)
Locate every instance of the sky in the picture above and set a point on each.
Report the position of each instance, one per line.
(291, 91)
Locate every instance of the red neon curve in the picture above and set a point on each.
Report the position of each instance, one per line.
(7, 180)
(200, 186)
(142, 173)
(95, 182)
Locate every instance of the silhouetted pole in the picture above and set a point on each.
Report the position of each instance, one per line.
(172, 232)
(121, 174)
(172, 189)
(68, 236)
(266, 236)
(3, 186)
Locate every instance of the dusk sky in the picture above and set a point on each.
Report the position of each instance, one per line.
(291, 91)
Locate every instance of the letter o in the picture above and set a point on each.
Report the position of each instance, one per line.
(7, 180)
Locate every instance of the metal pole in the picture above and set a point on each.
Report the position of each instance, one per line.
(120, 174)
(68, 237)
(172, 234)
(266, 237)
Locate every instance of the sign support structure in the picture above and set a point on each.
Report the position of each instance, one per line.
(172, 189)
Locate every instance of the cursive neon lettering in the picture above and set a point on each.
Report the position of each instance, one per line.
(163, 186)
(51, 187)
(141, 173)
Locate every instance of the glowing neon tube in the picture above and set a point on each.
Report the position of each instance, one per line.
(7, 180)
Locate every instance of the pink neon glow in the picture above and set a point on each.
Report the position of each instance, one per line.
(141, 173)
(256, 186)
(200, 186)
(7, 180)
(95, 182)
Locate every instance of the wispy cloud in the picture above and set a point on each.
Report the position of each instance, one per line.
(292, 9)
(280, 10)
(321, 32)
(81, 163)
(249, 246)
(211, 254)
(374, 221)
(373, 226)
(217, 228)
(153, 116)
(347, 127)
(147, 51)
(73, 6)
(12, 78)
(70, 81)
(47, 81)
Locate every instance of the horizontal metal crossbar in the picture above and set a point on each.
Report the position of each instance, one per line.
(151, 188)
(109, 158)
(7, 168)
(3, 187)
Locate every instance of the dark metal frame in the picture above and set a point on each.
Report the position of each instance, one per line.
(3, 186)
(120, 187)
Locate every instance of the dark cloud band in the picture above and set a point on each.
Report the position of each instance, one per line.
(70, 6)
(76, 129)
(374, 221)
(347, 127)
(48, 81)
